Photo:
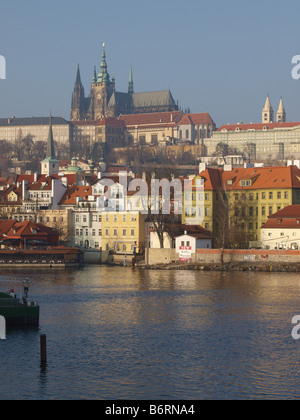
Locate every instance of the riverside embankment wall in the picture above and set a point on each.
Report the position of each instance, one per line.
(214, 256)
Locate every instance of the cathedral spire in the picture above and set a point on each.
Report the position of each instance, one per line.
(50, 142)
(103, 75)
(78, 77)
(78, 99)
(131, 85)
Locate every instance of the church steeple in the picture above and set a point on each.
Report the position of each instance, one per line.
(50, 142)
(268, 112)
(281, 114)
(103, 75)
(131, 85)
(50, 165)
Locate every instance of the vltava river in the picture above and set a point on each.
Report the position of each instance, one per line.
(114, 333)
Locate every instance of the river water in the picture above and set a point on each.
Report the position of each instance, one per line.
(115, 333)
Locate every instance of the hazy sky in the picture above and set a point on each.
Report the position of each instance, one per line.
(221, 57)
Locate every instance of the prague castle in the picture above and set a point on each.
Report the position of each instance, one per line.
(105, 101)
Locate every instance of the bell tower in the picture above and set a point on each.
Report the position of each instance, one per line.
(78, 100)
(268, 112)
(102, 90)
(281, 114)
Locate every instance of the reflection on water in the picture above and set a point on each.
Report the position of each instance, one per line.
(114, 333)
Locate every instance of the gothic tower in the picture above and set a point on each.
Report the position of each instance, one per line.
(101, 92)
(130, 86)
(281, 114)
(78, 100)
(268, 113)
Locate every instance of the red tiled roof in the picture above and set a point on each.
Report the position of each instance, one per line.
(11, 229)
(6, 225)
(287, 218)
(282, 224)
(156, 118)
(176, 230)
(259, 127)
(201, 118)
(289, 212)
(73, 192)
(263, 178)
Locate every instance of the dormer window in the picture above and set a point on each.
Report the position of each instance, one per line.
(245, 183)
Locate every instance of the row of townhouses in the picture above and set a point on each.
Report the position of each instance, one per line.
(109, 211)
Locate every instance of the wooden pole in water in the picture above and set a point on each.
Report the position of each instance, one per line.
(43, 342)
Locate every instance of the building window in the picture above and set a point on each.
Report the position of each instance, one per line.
(124, 232)
(286, 195)
(115, 232)
(132, 232)
(142, 139)
(279, 195)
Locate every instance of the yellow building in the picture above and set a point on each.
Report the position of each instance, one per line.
(238, 202)
(123, 232)
(200, 197)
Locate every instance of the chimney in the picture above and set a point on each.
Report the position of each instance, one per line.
(202, 167)
(24, 189)
(35, 177)
(227, 168)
